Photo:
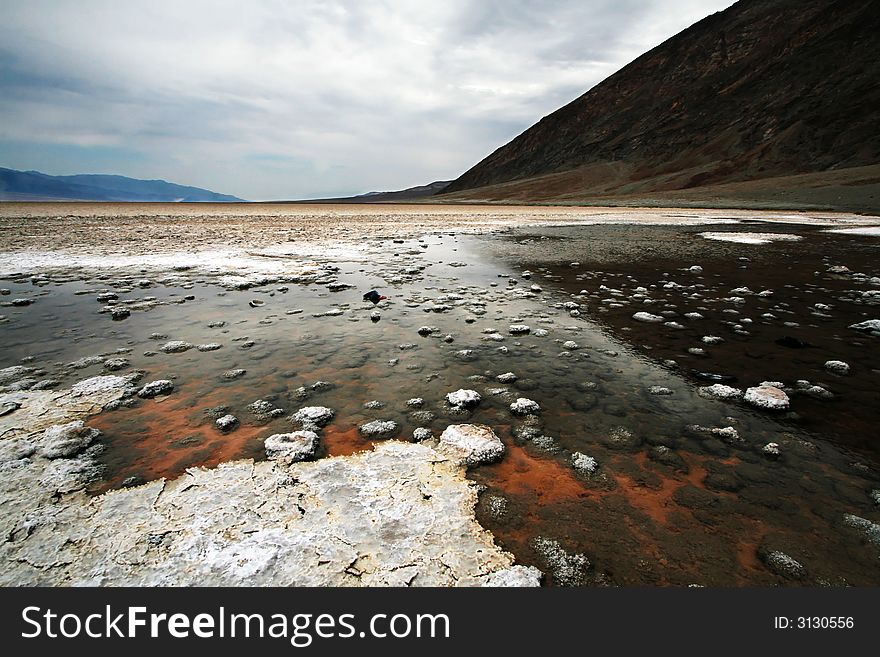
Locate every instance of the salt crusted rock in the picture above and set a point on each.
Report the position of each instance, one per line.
(470, 444)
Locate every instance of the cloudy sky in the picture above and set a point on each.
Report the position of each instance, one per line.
(273, 99)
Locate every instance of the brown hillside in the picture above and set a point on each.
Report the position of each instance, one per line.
(765, 89)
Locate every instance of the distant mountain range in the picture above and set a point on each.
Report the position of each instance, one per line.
(409, 194)
(770, 99)
(36, 186)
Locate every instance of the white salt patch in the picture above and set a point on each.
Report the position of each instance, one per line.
(751, 238)
(871, 231)
(219, 261)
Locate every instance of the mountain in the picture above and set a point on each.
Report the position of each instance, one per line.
(408, 194)
(782, 90)
(36, 186)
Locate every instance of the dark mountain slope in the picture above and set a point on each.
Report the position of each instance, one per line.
(766, 88)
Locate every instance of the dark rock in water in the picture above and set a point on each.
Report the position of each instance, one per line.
(723, 482)
(216, 411)
(695, 498)
(792, 343)
(373, 297)
(422, 417)
(621, 438)
(662, 454)
(119, 313)
(711, 376)
(583, 403)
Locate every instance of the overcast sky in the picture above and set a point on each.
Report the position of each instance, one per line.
(274, 99)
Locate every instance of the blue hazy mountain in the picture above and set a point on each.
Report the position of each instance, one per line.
(36, 186)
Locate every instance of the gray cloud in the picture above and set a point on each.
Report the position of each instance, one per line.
(278, 99)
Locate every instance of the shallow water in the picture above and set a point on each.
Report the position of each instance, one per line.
(669, 503)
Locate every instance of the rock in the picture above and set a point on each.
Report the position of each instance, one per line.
(233, 374)
(115, 364)
(428, 330)
(175, 347)
(541, 333)
(720, 391)
(871, 326)
(782, 564)
(415, 402)
(100, 384)
(226, 423)
(837, 367)
(374, 405)
(507, 377)
(107, 296)
(712, 339)
(313, 416)
(767, 397)
(85, 362)
(693, 316)
(8, 407)
(621, 438)
(66, 440)
(294, 446)
(515, 576)
(21, 302)
(117, 314)
(470, 444)
(219, 324)
(210, 346)
(421, 433)
(696, 351)
(567, 569)
(871, 530)
(378, 429)
(156, 388)
(463, 398)
(695, 269)
(375, 316)
(466, 355)
(583, 463)
(265, 410)
(256, 303)
(660, 390)
(422, 417)
(570, 345)
(10, 374)
(771, 450)
(518, 329)
(647, 317)
(523, 406)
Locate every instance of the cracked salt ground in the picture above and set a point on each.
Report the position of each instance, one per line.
(674, 497)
